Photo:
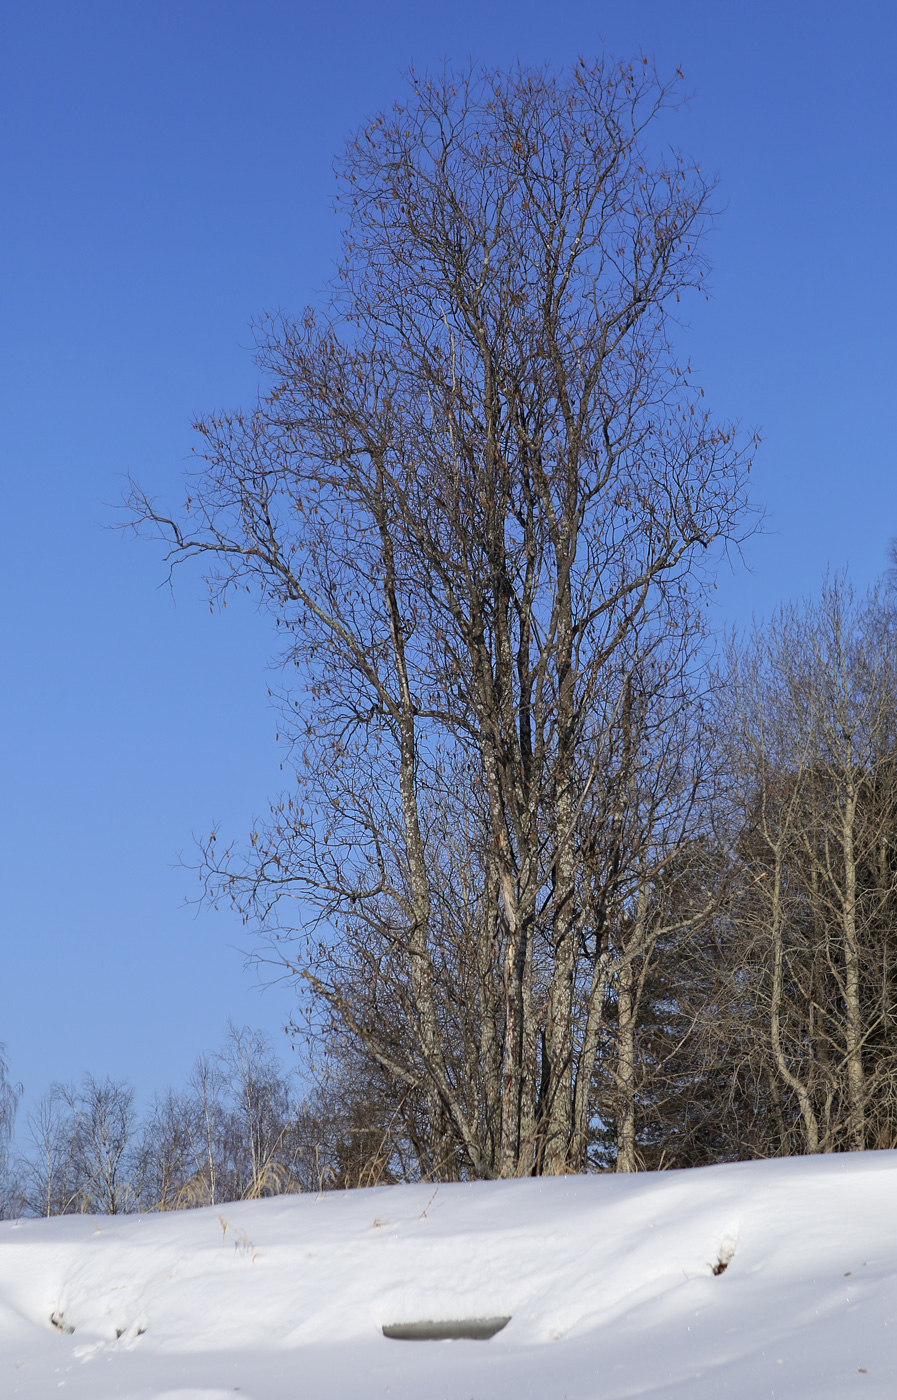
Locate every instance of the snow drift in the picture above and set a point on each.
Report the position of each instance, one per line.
(771, 1278)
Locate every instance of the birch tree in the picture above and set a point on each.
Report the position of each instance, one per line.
(813, 722)
(81, 1150)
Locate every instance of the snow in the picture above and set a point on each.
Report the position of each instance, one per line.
(609, 1283)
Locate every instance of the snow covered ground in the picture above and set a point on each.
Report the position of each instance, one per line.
(614, 1287)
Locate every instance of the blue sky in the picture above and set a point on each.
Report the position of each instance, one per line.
(166, 175)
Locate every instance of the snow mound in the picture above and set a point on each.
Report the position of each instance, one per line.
(771, 1278)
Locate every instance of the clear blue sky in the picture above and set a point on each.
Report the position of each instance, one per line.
(165, 174)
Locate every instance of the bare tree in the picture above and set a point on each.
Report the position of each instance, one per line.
(370, 1130)
(237, 1132)
(9, 1102)
(482, 483)
(813, 726)
(51, 1181)
(263, 1146)
(205, 1110)
(183, 1153)
(106, 1124)
(80, 1153)
(643, 847)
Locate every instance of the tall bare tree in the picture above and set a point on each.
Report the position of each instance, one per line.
(482, 487)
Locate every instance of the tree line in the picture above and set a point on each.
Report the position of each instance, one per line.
(242, 1128)
(561, 884)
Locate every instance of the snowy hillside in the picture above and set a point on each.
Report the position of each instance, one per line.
(771, 1278)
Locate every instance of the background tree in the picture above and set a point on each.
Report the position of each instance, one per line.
(172, 1157)
(237, 1132)
(811, 723)
(643, 839)
(696, 1101)
(361, 1127)
(81, 1144)
(9, 1102)
(481, 482)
